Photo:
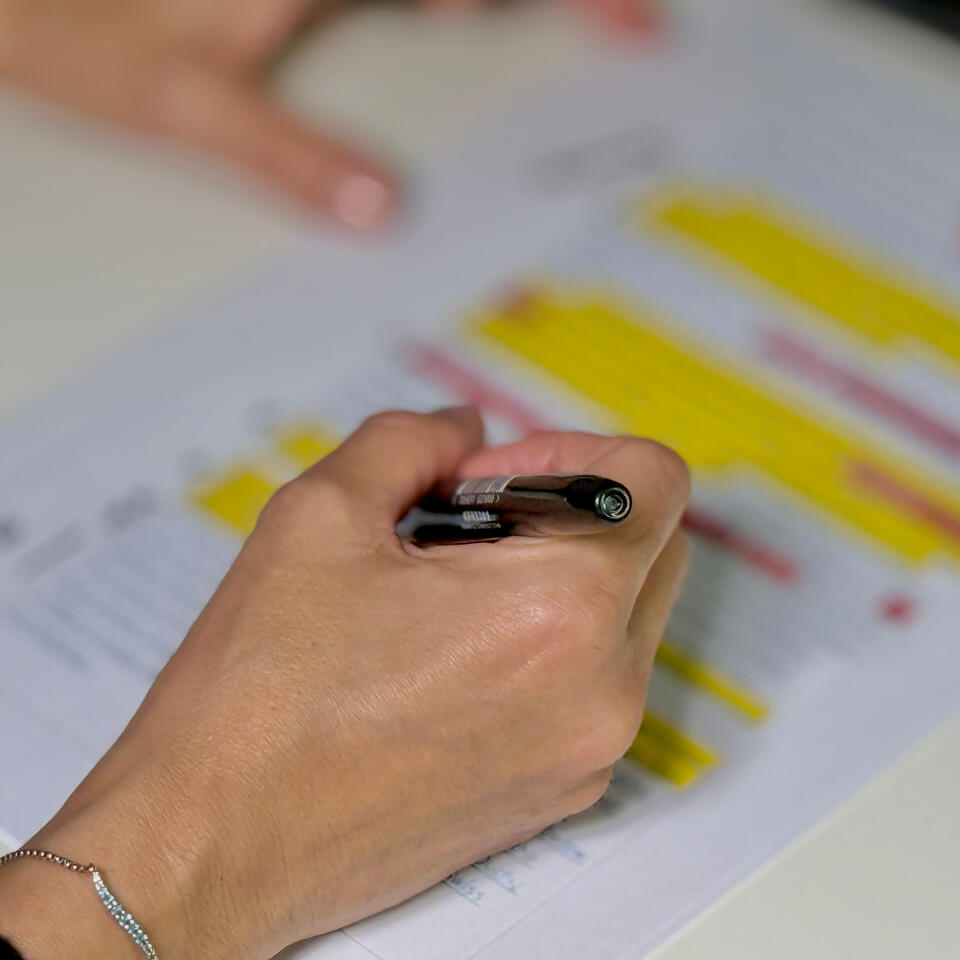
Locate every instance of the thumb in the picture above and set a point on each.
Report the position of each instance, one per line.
(224, 113)
(394, 458)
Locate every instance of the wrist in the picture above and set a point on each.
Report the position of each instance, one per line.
(125, 836)
(149, 857)
(48, 913)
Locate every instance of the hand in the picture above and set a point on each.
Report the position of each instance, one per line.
(351, 718)
(191, 70)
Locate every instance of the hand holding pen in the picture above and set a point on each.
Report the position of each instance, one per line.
(354, 717)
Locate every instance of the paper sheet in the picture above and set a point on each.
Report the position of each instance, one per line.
(744, 245)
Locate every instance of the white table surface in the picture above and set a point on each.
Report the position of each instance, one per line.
(103, 237)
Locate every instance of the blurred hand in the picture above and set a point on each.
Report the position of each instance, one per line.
(191, 69)
(351, 719)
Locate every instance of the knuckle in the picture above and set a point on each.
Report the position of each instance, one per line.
(668, 469)
(616, 734)
(284, 512)
(394, 421)
(285, 502)
(604, 739)
(301, 502)
(591, 792)
(324, 496)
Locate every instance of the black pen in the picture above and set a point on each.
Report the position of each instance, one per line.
(492, 508)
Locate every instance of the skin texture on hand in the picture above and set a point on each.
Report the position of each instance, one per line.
(352, 718)
(192, 70)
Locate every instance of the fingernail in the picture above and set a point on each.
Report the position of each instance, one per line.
(463, 412)
(361, 201)
(628, 19)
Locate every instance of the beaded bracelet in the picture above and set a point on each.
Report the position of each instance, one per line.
(112, 905)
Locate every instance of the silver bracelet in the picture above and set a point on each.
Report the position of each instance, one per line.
(112, 905)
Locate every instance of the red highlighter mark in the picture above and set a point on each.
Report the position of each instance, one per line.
(790, 353)
(898, 608)
(907, 499)
(757, 555)
(469, 388)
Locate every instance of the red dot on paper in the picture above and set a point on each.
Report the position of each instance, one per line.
(897, 608)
